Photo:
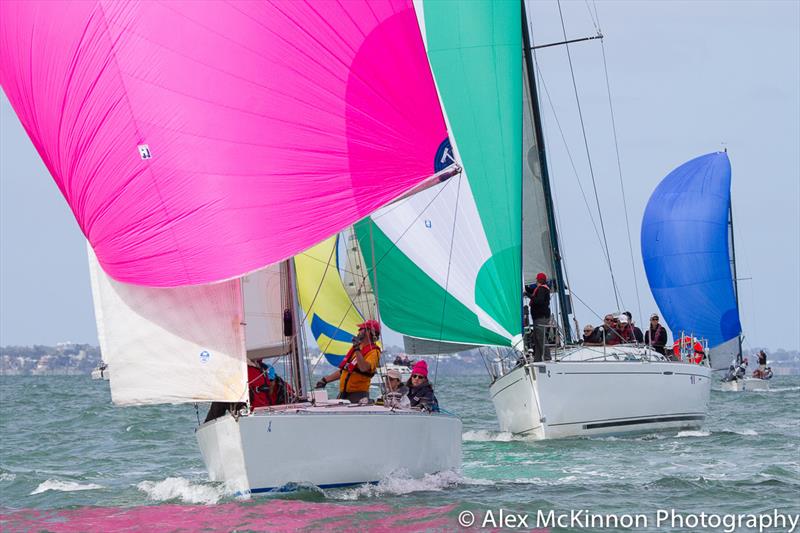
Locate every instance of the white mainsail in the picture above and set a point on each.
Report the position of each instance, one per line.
(537, 249)
(263, 311)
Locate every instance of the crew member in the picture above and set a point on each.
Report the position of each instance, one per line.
(762, 360)
(539, 295)
(359, 365)
(656, 335)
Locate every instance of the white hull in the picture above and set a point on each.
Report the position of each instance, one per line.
(101, 374)
(560, 399)
(328, 446)
(746, 384)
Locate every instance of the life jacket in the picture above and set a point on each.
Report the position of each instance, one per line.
(698, 355)
(353, 379)
(262, 391)
(654, 335)
(258, 383)
(625, 334)
(280, 393)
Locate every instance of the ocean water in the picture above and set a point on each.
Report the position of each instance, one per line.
(70, 461)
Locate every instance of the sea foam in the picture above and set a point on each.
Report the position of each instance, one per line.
(178, 488)
(63, 486)
(399, 484)
(693, 433)
(484, 435)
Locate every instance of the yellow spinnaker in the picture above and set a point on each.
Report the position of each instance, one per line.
(333, 317)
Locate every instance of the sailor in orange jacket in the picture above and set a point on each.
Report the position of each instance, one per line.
(359, 365)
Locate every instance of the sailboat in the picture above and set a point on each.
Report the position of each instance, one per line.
(690, 258)
(203, 148)
(455, 257)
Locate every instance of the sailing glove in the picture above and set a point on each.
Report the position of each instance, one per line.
(321, 384)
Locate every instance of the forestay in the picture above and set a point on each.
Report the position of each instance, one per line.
(447, 261)
(686, 253)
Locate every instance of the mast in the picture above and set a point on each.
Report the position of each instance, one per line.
(539, 135)
(735, 277)
(296, 346)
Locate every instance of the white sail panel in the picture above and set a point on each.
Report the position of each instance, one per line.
(170, 345)
(263, 311)
(354, 273)
(537, 249)
(446, 242)
(723, 355)
(415, 346)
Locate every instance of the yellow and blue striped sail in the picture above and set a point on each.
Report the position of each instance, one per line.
(330, 312)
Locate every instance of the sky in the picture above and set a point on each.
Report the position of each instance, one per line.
(686, 79)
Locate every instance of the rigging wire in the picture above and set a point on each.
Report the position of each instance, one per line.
(621, 181)
(540, 77)
(375, 265)
(589, 159)
(569, 154)
(447, 277)
(557, 220)
(594, 17)
(587, 306)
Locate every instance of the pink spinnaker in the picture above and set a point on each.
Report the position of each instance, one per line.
(269, 126)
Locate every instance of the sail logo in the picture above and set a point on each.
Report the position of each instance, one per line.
(205, 356)
(428, 223)
(444, 156)
(144, 151)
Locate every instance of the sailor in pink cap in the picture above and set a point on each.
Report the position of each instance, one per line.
(420, 391)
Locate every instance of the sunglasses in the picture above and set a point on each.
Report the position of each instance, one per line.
(653, 320)
(393, 379)
(417, 376)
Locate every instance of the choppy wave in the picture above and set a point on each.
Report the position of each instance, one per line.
(693, 433)
(747, 451)
(484, 435)
(64, 486)
(400, 484)
(745, 432)
(178, 488)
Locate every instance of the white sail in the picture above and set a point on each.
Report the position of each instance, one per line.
(722, 355)
(537, 249)
(354, 273)
(170, 345)
(263, 311)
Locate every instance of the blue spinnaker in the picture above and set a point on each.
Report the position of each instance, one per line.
(685, 250)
